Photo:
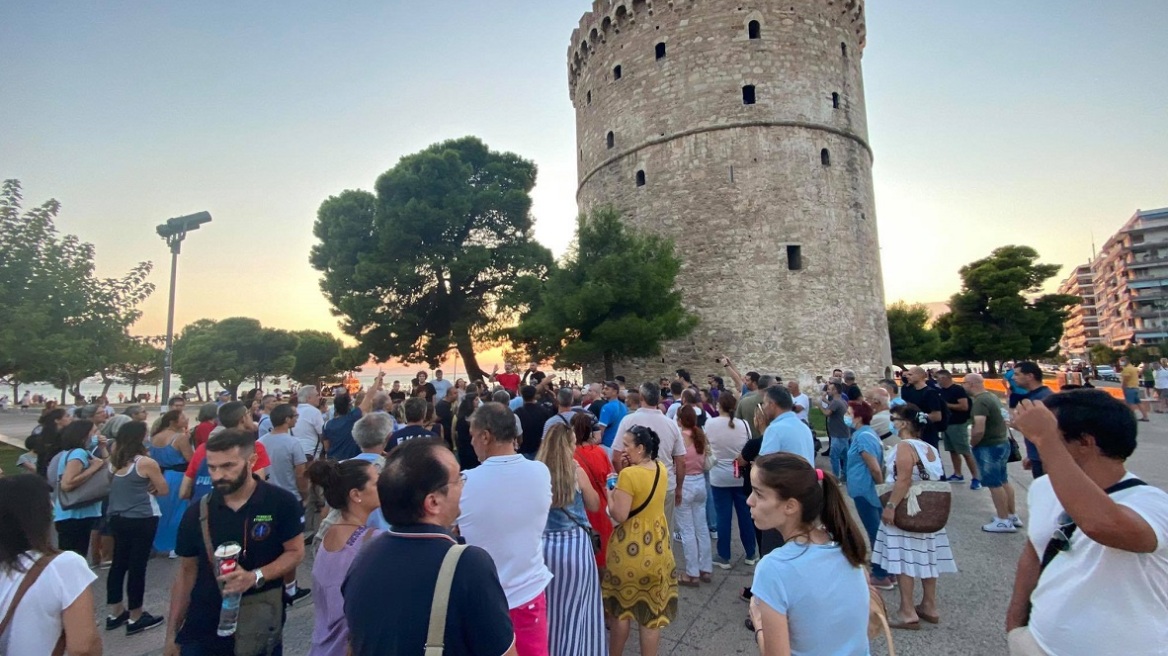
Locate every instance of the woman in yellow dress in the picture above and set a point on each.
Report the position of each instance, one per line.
(639, 583)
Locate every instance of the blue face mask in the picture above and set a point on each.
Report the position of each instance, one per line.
(848, 420)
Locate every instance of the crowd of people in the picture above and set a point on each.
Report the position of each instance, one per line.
(524, 515)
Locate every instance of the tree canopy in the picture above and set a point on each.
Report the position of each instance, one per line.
(913, 340)
(318, 356)
(61, 322)
(614, 296)
(420, 267)
(1000, 314)
(232, 352)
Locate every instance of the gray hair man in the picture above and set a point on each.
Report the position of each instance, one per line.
(371, 433)
(505, 504)
(990, 437)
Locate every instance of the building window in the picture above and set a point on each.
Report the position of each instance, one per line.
(589, 97)
(640, 178)
(616, 73)
(610, 139)
(825, 157)
(835, 100)
(660, 51)
(844, 49)
(794, 258)
(754, 30)
(748, 94)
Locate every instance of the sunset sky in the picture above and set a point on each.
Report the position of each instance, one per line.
(992, 122)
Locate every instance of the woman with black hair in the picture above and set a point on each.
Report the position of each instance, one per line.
(62, 599)
(467, 459)
(906, 555)
(46, 437)
(74, 466)
(810, 596)
(170, 446)
(638, 583)
(133, 520)
(351, 487)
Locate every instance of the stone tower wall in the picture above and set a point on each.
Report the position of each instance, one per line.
(735, 184)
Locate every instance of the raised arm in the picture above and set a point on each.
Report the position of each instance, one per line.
(367, 401)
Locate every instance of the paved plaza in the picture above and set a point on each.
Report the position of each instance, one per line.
(709, 621)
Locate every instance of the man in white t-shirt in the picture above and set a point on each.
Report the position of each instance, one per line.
(671, 451)
(504, 508)
(1093, 577)
(309, 431)
(440, 384)
(802, 402)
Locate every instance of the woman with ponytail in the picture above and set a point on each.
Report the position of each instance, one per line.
(639, 584)
(810, 595)
(910, 556)
(351, 487)
(691, 512)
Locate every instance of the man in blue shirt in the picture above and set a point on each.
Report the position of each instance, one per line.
(1028, 376)
(784, 432)
(612, 412)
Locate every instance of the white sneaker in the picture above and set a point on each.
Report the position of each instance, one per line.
(751, 561)
(999, 526)
(1016, 521)
(172, 555)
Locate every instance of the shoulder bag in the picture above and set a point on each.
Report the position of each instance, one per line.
(638, 509)
(94, 488)
(436, 634)
(1061, 541)
(710, 460)
(261, 615)
(926, 507)
(593, 536)
(31, 577)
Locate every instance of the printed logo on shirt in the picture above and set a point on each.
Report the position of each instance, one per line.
(260, 531)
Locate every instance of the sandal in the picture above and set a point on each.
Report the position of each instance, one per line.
(931, 619)
(894, 622)
(706, 577)
(749, 624)
(688, 582)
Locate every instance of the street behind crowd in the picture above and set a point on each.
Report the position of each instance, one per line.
(710, 618)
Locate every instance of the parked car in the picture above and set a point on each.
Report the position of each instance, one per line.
(1107, 372)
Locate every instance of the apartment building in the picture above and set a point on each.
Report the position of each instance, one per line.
(1081, 330)
(1130, 282)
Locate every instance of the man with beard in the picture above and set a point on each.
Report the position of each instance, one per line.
(240, 509)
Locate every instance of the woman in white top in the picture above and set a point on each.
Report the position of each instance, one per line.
(727, 436)
(60, 600)
(810, 596)
(906, 555)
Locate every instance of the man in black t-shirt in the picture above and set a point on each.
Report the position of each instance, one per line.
(396, 394)
(956, 434)
(444, 410)
(391, 584)
(929, 400)
(415, 412)
(264, 519)
(532, 417)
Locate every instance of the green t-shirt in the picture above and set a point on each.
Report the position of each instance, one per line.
(987, 405)
(747, 407)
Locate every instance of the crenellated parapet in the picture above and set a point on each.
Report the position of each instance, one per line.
(609, 18)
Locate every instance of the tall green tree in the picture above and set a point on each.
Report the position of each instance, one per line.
(913, 340)
(139, 363)
(1000, 314)
(61, 322)
(317, 356)
(232, 352)
(420, 268)
(613, 297)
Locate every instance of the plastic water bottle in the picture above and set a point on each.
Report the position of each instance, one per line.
(227, 556)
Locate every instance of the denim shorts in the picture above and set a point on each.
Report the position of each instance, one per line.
(991, 463)
(1131, 395)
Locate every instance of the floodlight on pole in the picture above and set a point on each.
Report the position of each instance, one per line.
(173, 232)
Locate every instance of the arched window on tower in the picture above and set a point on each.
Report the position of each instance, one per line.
(835, 100)
(844, 49)
(660, 51)
(748, 97)
(825, 157)
(589, 97)
(641, 178)
(616, 73)
(754, 29)
(610, 139)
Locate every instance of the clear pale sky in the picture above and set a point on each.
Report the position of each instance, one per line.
(992, 122)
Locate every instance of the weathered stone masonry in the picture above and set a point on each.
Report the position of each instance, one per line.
(770, 203)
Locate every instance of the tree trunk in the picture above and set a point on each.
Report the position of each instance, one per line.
(207, 390)
(465, 346)
(134, 389)
(106, 383)
(991, 369)
(609, 366)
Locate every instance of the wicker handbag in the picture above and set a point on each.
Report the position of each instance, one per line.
(926, 508)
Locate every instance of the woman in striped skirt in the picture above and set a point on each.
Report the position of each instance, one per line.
(575, 615)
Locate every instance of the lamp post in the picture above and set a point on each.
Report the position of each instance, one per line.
(173, 232)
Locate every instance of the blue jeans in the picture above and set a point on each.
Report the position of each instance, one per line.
(870, 518)
(727, 501)
(839, 455)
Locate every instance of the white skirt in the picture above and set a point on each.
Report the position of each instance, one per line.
(919, 555)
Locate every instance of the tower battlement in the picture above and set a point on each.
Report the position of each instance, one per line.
(609, 18)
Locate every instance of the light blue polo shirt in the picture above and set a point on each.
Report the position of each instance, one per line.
(789, 435)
